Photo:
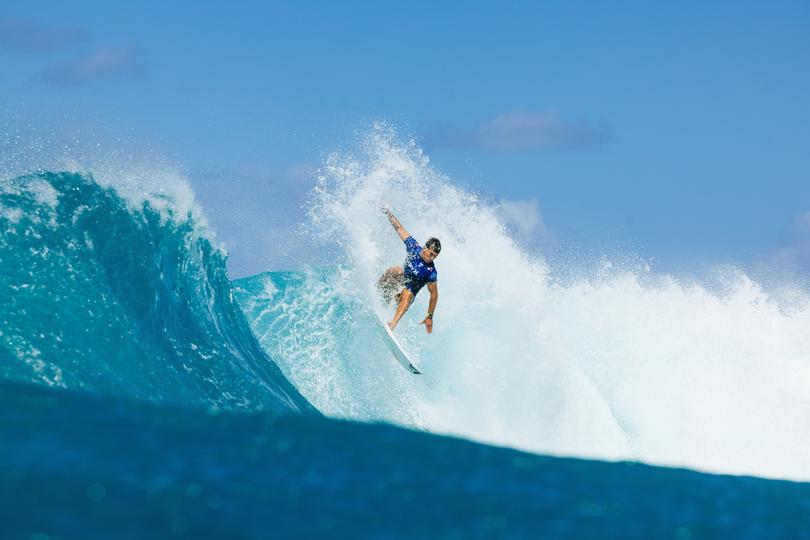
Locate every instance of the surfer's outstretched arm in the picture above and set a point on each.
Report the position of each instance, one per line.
(434, 299)
(403, 234)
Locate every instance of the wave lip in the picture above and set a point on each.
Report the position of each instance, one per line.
(102, 296)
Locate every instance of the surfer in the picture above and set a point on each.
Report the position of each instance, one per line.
(417, 272)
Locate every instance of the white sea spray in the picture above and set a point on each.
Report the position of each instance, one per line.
(616, 363)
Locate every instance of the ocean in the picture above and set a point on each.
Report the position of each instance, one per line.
(146, 394)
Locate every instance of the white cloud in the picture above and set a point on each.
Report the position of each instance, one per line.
(29, 36)
(521, 131)
(524, 217)
(104, 62)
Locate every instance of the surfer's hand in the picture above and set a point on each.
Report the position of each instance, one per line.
(385, 210)
(428, 322)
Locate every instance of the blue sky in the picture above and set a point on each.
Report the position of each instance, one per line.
(681, 130)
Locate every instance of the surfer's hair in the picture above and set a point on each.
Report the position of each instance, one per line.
(434, 244)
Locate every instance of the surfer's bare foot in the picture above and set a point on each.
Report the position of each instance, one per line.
(391, 325)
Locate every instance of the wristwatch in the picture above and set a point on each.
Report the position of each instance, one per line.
(429, 316)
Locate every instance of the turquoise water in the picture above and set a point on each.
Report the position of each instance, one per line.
(130, 302)
(146, 396)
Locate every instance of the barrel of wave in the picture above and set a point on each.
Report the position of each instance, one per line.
(133, 299)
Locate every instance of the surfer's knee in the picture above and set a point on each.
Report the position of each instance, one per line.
(407, 294)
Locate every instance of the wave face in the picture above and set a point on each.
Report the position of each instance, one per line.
(123, 297)
(611, 363)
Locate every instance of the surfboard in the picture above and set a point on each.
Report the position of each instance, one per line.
(396, 349)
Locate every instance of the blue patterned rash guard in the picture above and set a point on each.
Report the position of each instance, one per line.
(416, 271)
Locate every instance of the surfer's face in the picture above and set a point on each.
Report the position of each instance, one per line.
(428, 255)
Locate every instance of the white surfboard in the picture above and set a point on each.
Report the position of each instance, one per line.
(397, 350)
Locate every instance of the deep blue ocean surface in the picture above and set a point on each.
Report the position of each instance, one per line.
(82, 465)
(144, 395)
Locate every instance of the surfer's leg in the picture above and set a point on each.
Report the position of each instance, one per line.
(389, 282)
(398, 298)
(405, 299)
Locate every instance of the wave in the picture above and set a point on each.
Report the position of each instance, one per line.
(108, 289)
(617, 362)
(125, 297)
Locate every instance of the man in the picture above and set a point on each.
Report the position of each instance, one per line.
(417, 272)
